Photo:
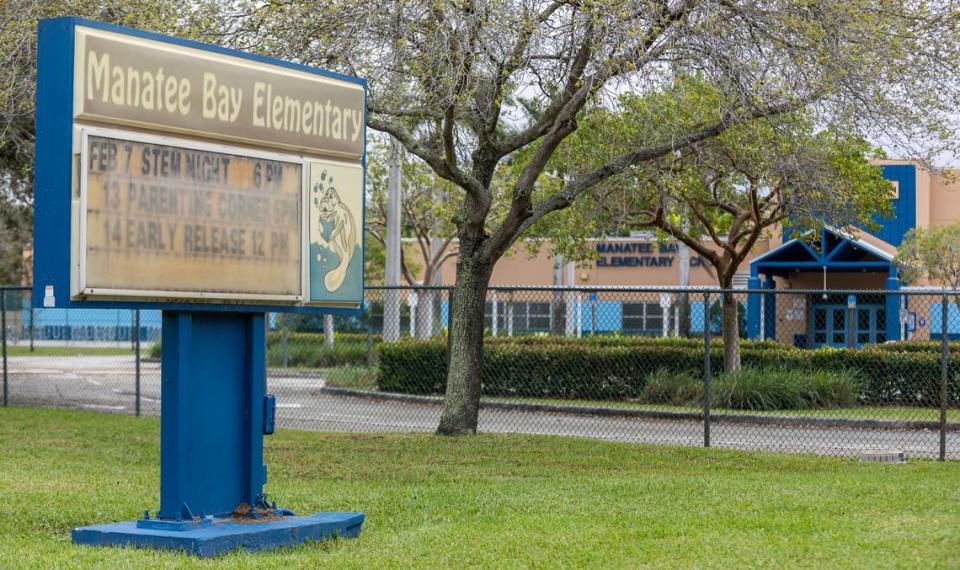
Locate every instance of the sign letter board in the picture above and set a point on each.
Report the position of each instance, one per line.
(193, 177)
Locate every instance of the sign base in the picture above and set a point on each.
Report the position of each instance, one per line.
(223, 535)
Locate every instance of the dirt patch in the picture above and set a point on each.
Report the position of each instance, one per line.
(244, 513)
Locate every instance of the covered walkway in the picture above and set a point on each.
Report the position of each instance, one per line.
(831, 320)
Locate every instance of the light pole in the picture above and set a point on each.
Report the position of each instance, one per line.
(391, 306)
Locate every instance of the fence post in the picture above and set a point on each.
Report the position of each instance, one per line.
(286, 340)
(706, 369)
(369, 344)
(3, 328)
(944, 365)
(136, 357)
(31, 326)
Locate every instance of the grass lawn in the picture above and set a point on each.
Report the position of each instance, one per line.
(855, 413)
(354, 377)
(24, 350)
(491, 501)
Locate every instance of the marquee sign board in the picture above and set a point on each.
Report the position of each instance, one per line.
(193, 177)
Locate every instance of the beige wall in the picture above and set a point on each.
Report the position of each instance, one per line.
(791, 317)
(944, 200)
(814, 280)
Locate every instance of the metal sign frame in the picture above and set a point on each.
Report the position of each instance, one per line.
(58, 175)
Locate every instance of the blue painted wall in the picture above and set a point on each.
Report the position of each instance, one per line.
(105, 325)
(936, 321)
(904, 216)
(609, 316)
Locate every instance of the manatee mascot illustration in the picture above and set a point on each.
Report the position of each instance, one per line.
(343, 235)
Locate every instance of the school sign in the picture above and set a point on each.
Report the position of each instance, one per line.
(215, 186)
(183, 173)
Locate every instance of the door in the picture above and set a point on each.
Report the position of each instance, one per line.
(830, 326)
(871, 324)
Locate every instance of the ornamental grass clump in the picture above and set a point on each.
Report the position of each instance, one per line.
(675, 388)
(757, 389)
(766, 389)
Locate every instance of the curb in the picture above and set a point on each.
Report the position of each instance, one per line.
(655, 414)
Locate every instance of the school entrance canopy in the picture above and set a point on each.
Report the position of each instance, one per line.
(833, 252)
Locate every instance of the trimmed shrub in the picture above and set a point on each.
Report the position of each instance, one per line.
(619, 369)
(308, 350)
(412, 367)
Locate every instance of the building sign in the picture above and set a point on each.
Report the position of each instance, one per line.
(125, 80)
(640, 254)
(177, 221)
(178, 174)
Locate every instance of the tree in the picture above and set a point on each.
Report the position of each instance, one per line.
(934, 253)
(446, 79)
(18, 63)
(426, 217)
(720, 196)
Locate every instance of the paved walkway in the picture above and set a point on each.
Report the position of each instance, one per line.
(106, 383)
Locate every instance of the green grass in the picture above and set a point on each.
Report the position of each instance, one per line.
(491, 501)
(853, 413)
(72, 350)
(354, 377)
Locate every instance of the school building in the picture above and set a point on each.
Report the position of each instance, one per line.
(858, 261)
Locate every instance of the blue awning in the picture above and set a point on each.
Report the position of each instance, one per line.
(833, 251)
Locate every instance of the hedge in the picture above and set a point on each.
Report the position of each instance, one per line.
(604, 370)
(307, 350)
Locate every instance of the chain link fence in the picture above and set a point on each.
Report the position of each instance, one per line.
(828, 372)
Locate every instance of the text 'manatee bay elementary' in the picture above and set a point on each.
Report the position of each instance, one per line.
(128, 82)
(199, 177)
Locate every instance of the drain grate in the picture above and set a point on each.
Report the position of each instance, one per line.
(883, 456)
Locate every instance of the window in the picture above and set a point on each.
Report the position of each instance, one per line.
(501, 317)
(538, 317)
(741, 280)
(643, 319)
(519, 317)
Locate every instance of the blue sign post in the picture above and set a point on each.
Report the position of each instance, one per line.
(213, 185)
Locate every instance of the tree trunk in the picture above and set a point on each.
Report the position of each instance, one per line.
(731, 333)
(683, 315)
(328, 331)
(556, 304)
(462, 401)
(423, 323)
